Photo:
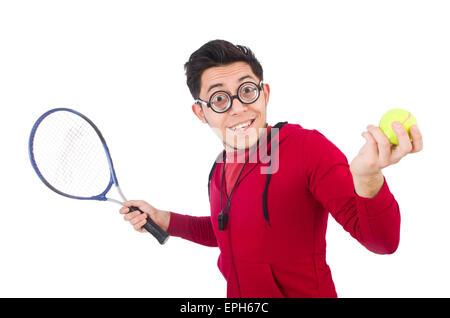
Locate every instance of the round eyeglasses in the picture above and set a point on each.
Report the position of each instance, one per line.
(221, 101)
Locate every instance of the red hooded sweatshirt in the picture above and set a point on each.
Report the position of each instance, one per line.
(285, 255)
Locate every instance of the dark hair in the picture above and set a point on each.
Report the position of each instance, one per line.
(217, 53)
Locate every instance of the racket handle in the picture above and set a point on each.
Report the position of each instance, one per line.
(151, 227)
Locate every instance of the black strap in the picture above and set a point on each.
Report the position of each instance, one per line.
(221, 155)
(269, 137)
(269, 174)
(223, 217)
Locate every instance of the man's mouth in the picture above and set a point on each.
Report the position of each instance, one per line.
(241, 127)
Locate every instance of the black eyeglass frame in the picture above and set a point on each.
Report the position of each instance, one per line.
(208, 104)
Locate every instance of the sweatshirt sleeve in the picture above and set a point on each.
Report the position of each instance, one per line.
(197, 229)
(374, 222)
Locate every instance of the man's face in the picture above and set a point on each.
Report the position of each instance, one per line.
(228, 78)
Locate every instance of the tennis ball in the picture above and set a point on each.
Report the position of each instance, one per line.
(400, 115)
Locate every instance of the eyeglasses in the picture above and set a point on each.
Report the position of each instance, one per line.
(221, 101)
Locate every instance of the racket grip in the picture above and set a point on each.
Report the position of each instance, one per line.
(151, 227)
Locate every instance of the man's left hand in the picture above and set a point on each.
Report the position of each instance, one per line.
(378, 153)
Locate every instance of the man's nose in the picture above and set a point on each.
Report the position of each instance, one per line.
(237, 106)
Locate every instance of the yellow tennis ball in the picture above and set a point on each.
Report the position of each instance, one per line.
(403, 116)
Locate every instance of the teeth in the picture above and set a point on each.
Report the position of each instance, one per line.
(244, 125)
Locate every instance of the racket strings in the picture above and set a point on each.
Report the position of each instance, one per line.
(70, 155)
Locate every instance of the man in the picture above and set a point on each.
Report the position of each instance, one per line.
(271, 230)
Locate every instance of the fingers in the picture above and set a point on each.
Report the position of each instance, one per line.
(417, 141)
(404, 143)
(138, 222)
(370, 148)
(140, 204)
(139, 226)
(124, 210)
(383, 145)
(389, 154)
(136, 219)
(132, 215)
(369, 138)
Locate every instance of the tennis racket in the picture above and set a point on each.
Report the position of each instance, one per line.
(70, 156)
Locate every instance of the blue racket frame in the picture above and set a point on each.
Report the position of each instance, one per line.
(113, 179)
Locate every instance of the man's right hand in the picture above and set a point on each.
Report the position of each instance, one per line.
(138, 219)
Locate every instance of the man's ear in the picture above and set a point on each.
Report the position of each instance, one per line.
(198, 111)
(266, 90)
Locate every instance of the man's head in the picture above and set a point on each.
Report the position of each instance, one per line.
(219, 66)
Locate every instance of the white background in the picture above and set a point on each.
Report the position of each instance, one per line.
(334, 66)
